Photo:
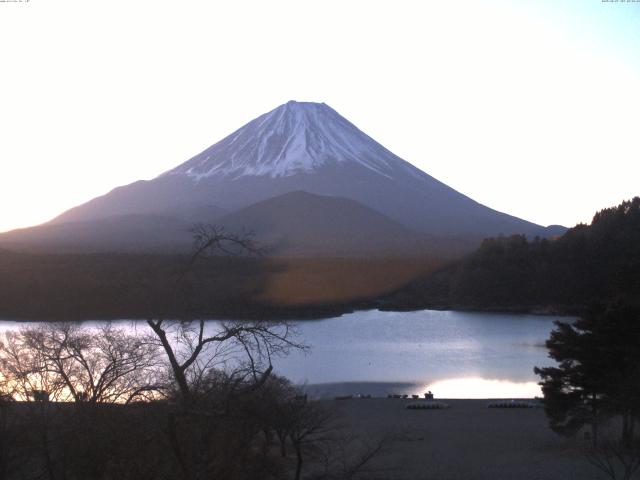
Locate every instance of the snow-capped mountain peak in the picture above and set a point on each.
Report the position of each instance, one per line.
(297, 137)
(302, 147)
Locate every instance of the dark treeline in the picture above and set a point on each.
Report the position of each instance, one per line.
(596, 262)
(111, 286)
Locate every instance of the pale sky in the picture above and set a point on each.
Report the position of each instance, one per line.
(529, 107)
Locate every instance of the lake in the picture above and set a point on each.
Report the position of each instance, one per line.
(454, 354)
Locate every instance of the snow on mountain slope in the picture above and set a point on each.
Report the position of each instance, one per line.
(298, 137)
(301, 146)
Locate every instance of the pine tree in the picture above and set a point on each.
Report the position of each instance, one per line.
(598, 372)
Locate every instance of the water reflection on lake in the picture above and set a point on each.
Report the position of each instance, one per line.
(453, 354)
(482, 388)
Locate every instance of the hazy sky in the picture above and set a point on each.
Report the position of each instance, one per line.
(532, 108)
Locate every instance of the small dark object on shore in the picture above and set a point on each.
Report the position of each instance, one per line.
(427, 406)
(512, 404)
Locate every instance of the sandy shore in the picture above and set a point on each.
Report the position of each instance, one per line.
(466, 441)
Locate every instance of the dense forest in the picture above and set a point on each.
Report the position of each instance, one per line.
(596, 262)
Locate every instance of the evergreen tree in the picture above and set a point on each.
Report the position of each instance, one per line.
(598, 372)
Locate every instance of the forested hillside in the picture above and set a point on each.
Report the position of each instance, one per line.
(600, 261)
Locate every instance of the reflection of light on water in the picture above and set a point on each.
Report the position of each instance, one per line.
(482, 388)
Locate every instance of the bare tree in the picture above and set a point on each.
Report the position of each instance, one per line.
(321, 444)
(215, 367)
(352, 456)
(65, 362)
(25, 370)
(310, 424)
(617, 459)
(243, 349)
(213, 239)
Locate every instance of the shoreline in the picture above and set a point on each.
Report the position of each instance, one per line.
(483, 389)
(311, 314)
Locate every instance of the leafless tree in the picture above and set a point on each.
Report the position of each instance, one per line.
(213, 239)
(322, 445)
(617, 459)
(310, 426)
(350, 456)
(243, 349)
(215, 367)
(25, 370)
(71, 363)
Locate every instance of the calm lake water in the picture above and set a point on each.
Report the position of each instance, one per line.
(454, 354)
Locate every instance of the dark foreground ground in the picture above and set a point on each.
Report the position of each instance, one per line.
(146, 441)
(466, 441)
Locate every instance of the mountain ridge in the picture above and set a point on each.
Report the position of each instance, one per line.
(310, 147)
(304, 223)
(292, 224)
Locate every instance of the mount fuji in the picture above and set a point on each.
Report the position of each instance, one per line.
(297, 162)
